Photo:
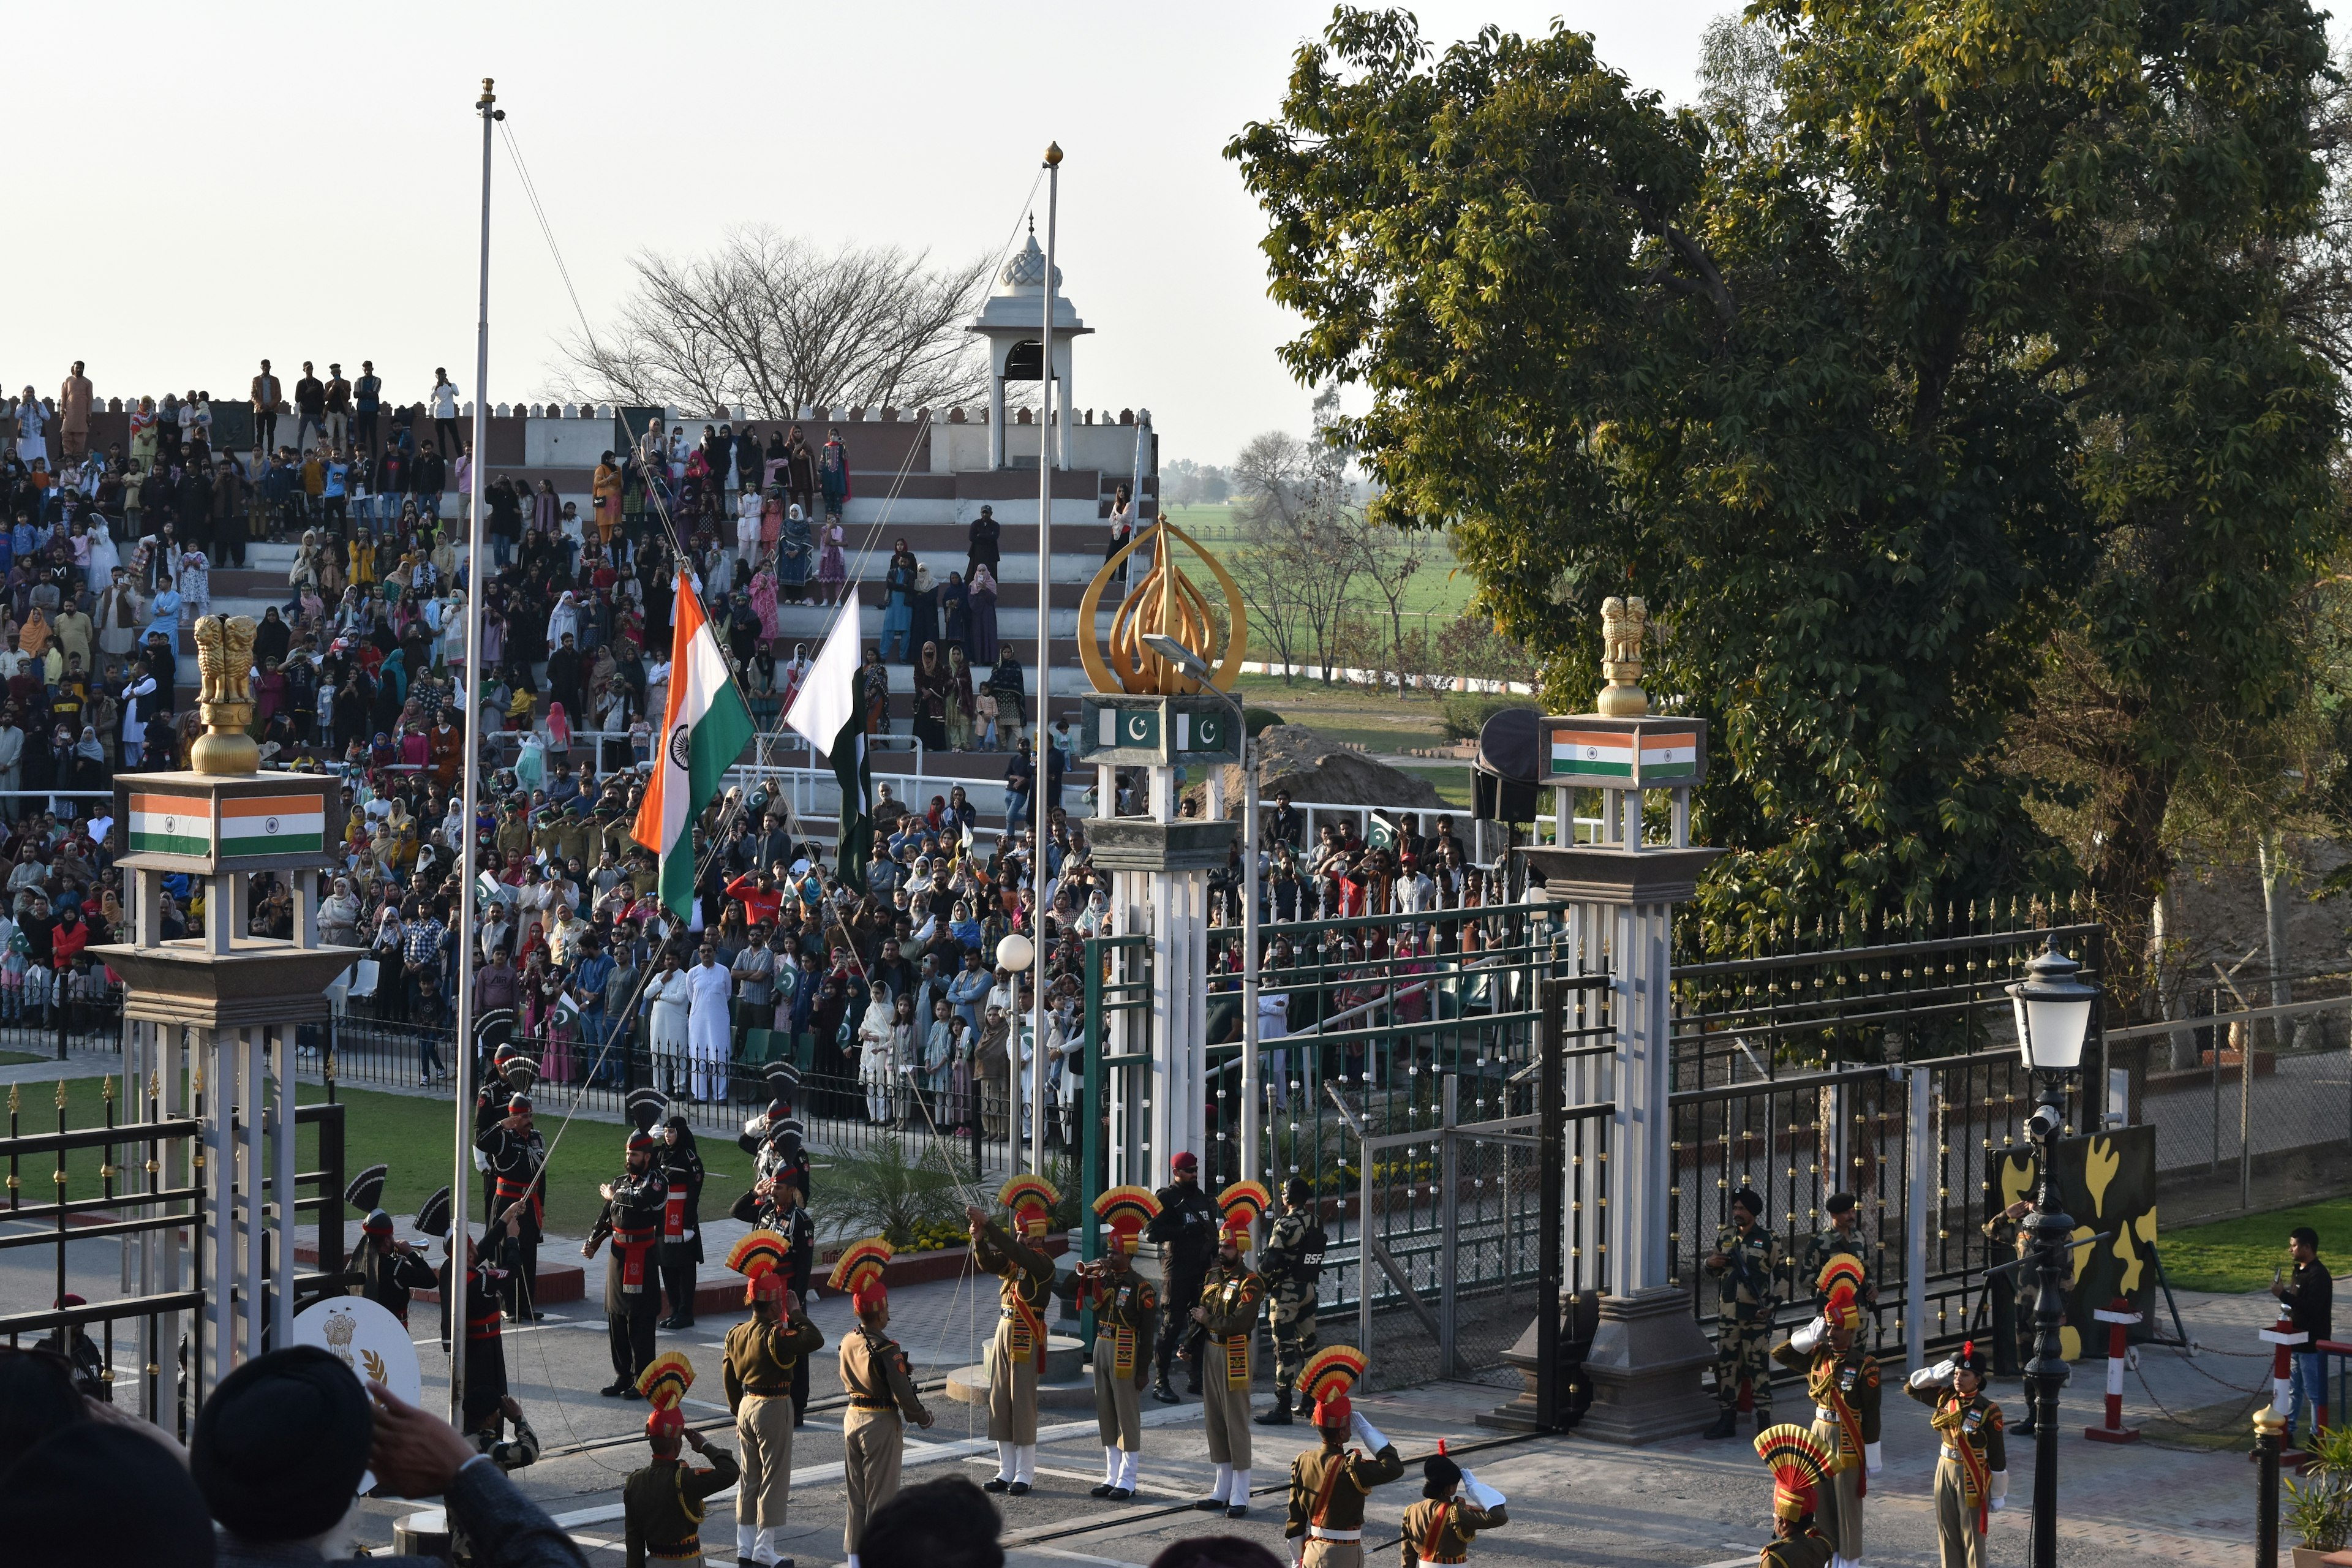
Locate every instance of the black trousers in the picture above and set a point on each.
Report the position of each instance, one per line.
(265, 432)
(520, 1288)
(679, 1274)
(1184, 1294)
(364, 430)
(631, 1331)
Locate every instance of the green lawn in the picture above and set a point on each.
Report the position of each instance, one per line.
(2239, 1254)
(18, 1058)
(1435, 595)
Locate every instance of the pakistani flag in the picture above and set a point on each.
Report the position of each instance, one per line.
(825, 713)
(704, 730)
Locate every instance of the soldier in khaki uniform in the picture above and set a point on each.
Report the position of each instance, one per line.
(1440, 1527)
(1972, 1476)
(1330, 1485)
(1800, 1472)
(881, 1390)
(1125, 1307)
(663, 1504)
(1228, 1313)
(1841, 1238)
(1018, 1355)
(762, 1352)
(1748, 1267)
(1289, 1262)
(1843, 1379)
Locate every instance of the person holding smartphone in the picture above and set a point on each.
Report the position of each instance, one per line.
(2310, 1297)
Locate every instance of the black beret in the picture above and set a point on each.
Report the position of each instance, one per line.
(280, 1447)
(1840, 1203)
(98, 1492)
(1439, 1476)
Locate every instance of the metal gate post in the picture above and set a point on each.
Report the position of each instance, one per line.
(1921, 1209)
(1449, 1172)
(1364, 1252)
(1551, 1171)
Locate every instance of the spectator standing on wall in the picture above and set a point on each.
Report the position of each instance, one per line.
(266, 391)
(367, 400)
(442, 407)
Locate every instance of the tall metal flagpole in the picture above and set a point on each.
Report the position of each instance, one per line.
(469, 720)
(1043, 802)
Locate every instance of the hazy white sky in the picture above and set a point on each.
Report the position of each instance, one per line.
(216, 185)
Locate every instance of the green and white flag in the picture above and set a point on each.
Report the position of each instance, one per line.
(825, 713)
(705, 727)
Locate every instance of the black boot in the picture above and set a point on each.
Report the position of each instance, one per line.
(1280, 1414)
(1726, 1424)
(1162, 1392)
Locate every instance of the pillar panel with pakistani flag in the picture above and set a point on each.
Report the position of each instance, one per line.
(705, 727)
(825, 713)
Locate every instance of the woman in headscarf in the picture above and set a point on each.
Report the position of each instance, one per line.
(931, 698)
(563, 620)
(960, 704)
(530, 762)
(791, 674)
(980, 600)
(873, 693)
(832, 573)
(748, 507)
(559, 730)
(763, 601)
(605, 492)
(1009, 687)
(89, 760)
(923, 609)
(339, 916)
(955, 612)
(794, 554)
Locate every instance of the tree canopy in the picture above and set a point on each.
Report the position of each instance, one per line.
(1941, 336)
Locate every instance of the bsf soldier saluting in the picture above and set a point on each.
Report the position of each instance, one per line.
(1330, 1485)
(762, 1352)
(1439, 1528)
(881, 1390)
(1227, 1314)
(1747, 1266)
(1801, 1472)
(1843, 1379)
(1186, 1230)
(1973, 1477)
(663, 1504)
(1123, 1304)
(1018, 1352)
(1291, 1260)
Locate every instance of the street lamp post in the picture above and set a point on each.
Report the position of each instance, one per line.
(2053, 1016)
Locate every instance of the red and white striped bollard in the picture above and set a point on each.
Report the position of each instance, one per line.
(2119, 1318)
(2282, 1339)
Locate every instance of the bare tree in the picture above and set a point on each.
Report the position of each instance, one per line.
(1390, 557)
(769, 323)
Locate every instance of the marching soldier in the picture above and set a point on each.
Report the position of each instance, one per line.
(663, 1504)
(514, 1153)
(632, 1219)
(389, 1270)
(1124, 1304)
(1972, 1476)
(1799, 1473)
(1748, 1265)
(881, 1390)
(761, 1351)
(1843, 1379)
(1227, 1316)
(1186, 1229)
(1331, 1484)
(1018, 1352)
(1290, 1261)
(1440, 1527)
(1841, 1238)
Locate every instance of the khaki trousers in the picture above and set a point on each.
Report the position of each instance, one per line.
(1119, 1403)
(1012, 1390)
(763, 1424)
(1224, 1411)
(871, 1447)
(1838, 1514)
(1332, 1553)
(1957, 1544)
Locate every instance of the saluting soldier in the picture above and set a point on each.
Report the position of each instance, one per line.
(762, 1352)
(1843, 1379)
(632, 1220)
(1972, 1476)
(881, 1390)
(1186, 1229)
(1290, 1262)
(1018, 1355)
(1330, 1484)
(390, 1269)
(1841, 1237)
(1441, 1526)
(663, 1504)
(1747, 1266)
(1799, 1476)
(1123, 1304)
(1227, 1314)
(514, 1153)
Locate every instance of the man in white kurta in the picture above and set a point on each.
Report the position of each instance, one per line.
(708, 1026)
(667, 995)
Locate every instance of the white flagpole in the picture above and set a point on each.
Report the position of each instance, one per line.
(468, 728)
(1043, 803)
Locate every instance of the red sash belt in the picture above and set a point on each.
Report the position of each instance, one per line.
(631, 1246)
(483, 1328)
(1435, 1532)
(511, 1188)
(674, 1216)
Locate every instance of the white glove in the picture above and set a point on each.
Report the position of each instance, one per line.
(1871, 1461)
(1997, 1497)
(1803, 1341)
(1930, 1376)
(1995, 1505)
(1482, 1494)
(1366, 1431)
(481, 1160)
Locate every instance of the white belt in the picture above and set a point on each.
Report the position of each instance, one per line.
(1950, 1452)
(1319, 1533)
(1443, 1562)
(1826, 1417)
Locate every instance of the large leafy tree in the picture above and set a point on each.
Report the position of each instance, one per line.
(1953, 331)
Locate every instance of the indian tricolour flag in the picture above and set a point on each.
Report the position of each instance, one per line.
(170, 824)
(1608, 754)
(273, 824)
(705, 726)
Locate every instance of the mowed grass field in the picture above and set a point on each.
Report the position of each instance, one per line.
(2239, 1254)
(1436, 594)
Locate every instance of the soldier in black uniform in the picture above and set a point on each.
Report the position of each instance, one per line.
(632, 1218)
(1186, 1229)
(514, 1155)
(390, 1270)
(470, 1279)
(507, 1073)
(681, 1249)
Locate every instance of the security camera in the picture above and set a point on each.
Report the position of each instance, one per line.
(2043, 1123)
